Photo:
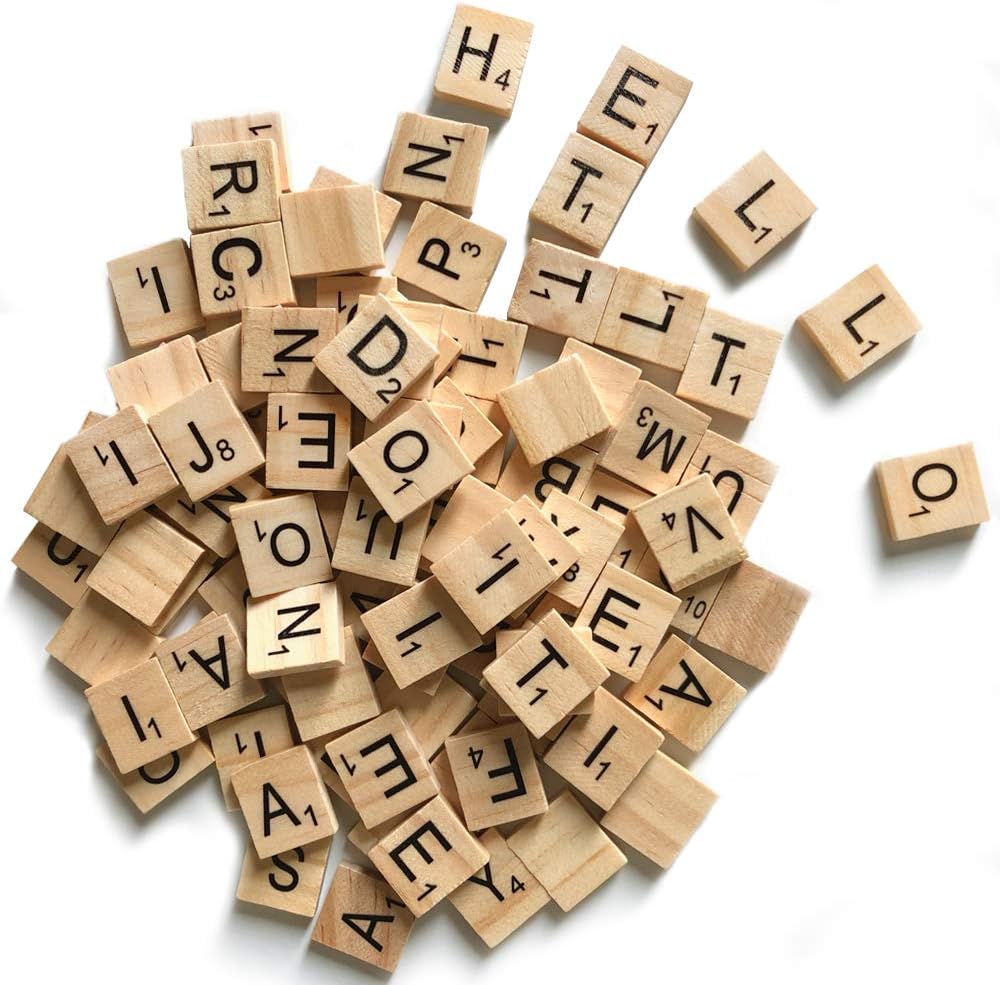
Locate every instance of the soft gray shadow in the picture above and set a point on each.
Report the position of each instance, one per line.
(744, 675)
(538, 230)
(316, 953)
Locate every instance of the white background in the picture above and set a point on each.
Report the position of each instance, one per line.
(858, 828)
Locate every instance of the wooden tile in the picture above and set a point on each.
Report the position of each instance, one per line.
(120, 465)
(606, 493)
(184, 594)
(370, 544)
(561, 291)
(155, 293)
(308, 438)
(284, 802)
(332, 230)
(281, 543)
(298, 630)
(567, 852)
(753, 616)
(138, 716)
(729, 365)
(241, 268)
(932, 492)
(255, 126)
(561, 552)
(279, 345)
(491, 352)
(344, 291)
(291, 881)
(750, 213)
(859, 323)
(635, 106)
(376, 357)
(386, 206)
(477, 434)
(221, 354)
(684, 694)
(383, 768)
(656, 437)
(362, 917)
(56, 563)
(432, 718)
(614, 379)
(150, 785)
(568, 472)
(483, 59)
(449, 256)
(490, 463)
(158, 378)
(243, 739)
(471, 506)
(586, 192)
(144, 567)
(97, 641)
(231, 184)
(428, 855)
(435, 160)
(651, 319)
(660, 811)
(696, 599)
(225, 591)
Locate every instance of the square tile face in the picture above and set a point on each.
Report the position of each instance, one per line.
(148, 786)
(279, 345)
(561, 291)
(635, 106)
(56, 563)
(556, 546)
(471, 505)
(342, 292)
(483, 59)
(660, 810)
(690, 532)
(477, 433)
(257, 126)
(568, 472)
(586, 192)
(491, 352)
(284, 802)
(753, 211)
(155, 293)
(428, 855)
(435, 160)
(221, 355)
(290, 882)
(449, 257)
(138, 716)
(932, 492)
(613, 378)
(860, 323)
(386, 207)
(362, 916)
(308, 438)
(156, 379)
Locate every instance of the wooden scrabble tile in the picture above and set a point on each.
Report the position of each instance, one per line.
(120, 465)
(496, 776)
(138, 716)
(561, 552)
(241, 268)
(729, 365)
(568, 472)
(56, 563)
(344, 291)
(242, 739)
(376, 357)
(483, 59)
(566, 851)
(613, 378)
(221, 355)
(284, 802)
(225, 590)
(370, 544)
(207, 441)
(297, 630)
(477, 434)
(614, 497)
(629, 618)
(932, 492)
(660, 810)
(279, 345)
(291, 881)
(362, 917)
(491, 352)
(332, 230)
(561, 291)
(470, 507)
(554, 409)
(281, 543)
(150, 785)
(635, 106)
(256, 126)
(308, 437)
(155, 293)
(428, 855)
(435, 160)
(490, 463)
(432, 718)
(158, 378)
(696, 599)
(750, 213)
(753, 616)
(684, 694)
(383, 768)
(230, 184)
(386, 206)
(97, 641)
(586, 192)
(494, 572)
(449, 256)
(144, 567)
(206, 668)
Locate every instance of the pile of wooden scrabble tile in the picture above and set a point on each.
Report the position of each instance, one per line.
(441, 635)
